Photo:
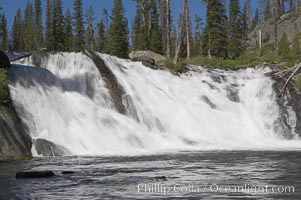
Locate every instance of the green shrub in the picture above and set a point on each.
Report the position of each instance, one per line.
(4, 92)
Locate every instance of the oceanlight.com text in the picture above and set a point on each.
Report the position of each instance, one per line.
(158, 188)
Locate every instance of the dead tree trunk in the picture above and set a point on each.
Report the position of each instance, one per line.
(186, 10)
(168, 28)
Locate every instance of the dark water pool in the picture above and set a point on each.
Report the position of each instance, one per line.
(187, 175)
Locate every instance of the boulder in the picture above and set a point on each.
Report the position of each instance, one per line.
(34, 174)
(4, 60)
(68, 172)
(149, 59)
(47, 148)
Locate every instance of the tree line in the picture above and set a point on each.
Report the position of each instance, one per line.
(223, 35)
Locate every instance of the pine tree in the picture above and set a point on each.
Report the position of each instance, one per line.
(155, 35)
(136, 26)
(283, 45)
(141, 26)
(58, 25)
(267, 11)
(79, 43)
(101, 36)
(38, 24)
(197, 48)
(255, 21)
(165, 23)
(68, 32)
(118, 31)
(18, 32)
(215, 33)
(3, 33)
(29, 27)
(90, 18)
(236, 32)
(49, 40)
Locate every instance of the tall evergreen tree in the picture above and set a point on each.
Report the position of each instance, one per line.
(18, 32)
(215, 33)
(197, 48)
(101, 36)
(49, 40)
(155, 35)
(38, 24)
(165, 23)
(90, 18)
(118, 31)
(79, 42)
(58, 25)
(3, 33)
(136, 26)
(267, 10)
(255, 20)
(236, 32)
(283, 45)
(29, 27)
(68, 32)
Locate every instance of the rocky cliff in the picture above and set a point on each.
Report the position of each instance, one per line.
(289, 24)
(15, 142)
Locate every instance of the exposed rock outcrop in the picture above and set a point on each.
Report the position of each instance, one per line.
(289, 24)
(149, 59)
(47, 148)
(15, 143)
(289, 101)
(4, 60)
(112, 84)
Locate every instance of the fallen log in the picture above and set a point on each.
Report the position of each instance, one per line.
(286, 75)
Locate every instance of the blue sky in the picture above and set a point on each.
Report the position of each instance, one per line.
(10, 7)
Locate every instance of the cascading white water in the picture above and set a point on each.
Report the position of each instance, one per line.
(199, 110)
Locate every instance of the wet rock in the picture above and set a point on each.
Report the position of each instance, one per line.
(15, 142)
(39, 57)
(207, 100)
(289, 101)
(232, 94)
(149, 59)
(4, 60)
(35, 174)
(47, 148)
(68, 172)
(116, 91)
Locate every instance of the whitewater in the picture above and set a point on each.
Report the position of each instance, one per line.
(66, 101)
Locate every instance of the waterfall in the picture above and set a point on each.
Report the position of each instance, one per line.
(66, 101)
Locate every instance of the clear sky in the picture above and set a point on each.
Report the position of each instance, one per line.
(10, 7)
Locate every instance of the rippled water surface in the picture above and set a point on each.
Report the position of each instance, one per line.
(185, 175)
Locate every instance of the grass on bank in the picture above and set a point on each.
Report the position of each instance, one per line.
(251, 57)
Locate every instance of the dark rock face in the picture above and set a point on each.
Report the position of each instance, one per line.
(4, 60)
(34, 174)
(47, 148)
(112, 84)
(291, 99)
(15, 142)
(149, 59)
(38, 57)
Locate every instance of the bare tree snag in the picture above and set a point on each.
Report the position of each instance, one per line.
(287, 76)
(168, 28)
